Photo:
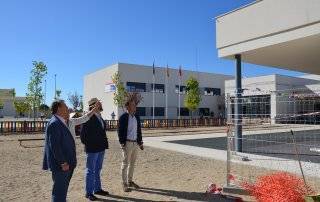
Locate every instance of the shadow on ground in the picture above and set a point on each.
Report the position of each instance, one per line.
(174, 196)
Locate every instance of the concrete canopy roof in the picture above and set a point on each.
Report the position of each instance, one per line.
(283, 34)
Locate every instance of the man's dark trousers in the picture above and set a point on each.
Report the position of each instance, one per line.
(61, 180)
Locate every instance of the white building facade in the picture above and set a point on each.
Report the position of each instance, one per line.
(7, 98)
(273, 96)
(139, 78)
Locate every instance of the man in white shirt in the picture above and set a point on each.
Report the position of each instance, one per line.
(130, 139)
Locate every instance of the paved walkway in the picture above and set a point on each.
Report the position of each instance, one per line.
(272, 163)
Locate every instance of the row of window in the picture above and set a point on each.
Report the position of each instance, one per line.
(160, 88)
(160, 111)
(254, 106)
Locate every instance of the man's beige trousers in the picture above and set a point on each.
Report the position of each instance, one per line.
(129, 153)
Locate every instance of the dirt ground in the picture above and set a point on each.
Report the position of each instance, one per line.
(164, 175)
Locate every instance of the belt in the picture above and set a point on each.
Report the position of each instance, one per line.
(131, 140)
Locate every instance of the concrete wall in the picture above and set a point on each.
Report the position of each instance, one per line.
(260, 85)
(94, 86)
(283, 34)
(7, 98)
(277, 16)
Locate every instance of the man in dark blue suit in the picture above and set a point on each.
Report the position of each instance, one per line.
(59, 151)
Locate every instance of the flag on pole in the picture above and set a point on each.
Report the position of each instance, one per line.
(153, 69)
(180, 71)
(167, 70)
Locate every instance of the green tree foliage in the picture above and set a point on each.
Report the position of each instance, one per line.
(193, 95)
(120, 94)
(21, 107)
(13, 91)
(58, 94)
(45, 109)
(81, 104)
(35, 95)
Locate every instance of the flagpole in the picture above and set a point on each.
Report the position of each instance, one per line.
(179, 106)
(153, 81)
(55, 86)
(167, 92)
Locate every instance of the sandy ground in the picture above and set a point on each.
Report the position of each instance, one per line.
(164, 175)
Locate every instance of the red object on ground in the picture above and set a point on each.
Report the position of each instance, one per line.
(213, 189)
(231, 177)
(280, 187)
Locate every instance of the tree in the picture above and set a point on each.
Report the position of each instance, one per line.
(45, 109)
(75, 100)
(21, 106)
(120, 93)
(81, 104)
(13, 91)
(58, 93)
(1, 108)
(193, 95)
(35, 95)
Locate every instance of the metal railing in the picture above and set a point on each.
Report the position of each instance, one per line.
(9, 127)
(22, 126)
(173, 123)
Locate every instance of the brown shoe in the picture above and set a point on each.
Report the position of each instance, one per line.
(126, 188)
(134, 185)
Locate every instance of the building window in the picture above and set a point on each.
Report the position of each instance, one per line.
(257, 106)
(212, 91)
(136, 87)
(204, 112)
(158, 111)
(158, 88)
(183, 111)
(182, 89)
(141, 111)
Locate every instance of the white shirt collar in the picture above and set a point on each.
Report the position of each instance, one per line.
(131, 115)
(62, 119)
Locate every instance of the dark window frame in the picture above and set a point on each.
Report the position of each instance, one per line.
(158, 111)
(183, 89)
(211, 91)
(158, 88)
(204, 111)
(141, 111)
(136, 87)
(183, 111)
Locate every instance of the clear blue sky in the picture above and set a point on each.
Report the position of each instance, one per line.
(76, 37)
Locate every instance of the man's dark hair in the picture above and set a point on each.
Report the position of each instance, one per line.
(126, 104)
(55, 105)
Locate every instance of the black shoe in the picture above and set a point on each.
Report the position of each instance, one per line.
(91, 197)
(126, 188)
(134, 185)
(102, 193)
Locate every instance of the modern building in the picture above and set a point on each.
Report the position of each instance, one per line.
(273, 96)
(139, 78)
(7, 98)
(283, 34)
